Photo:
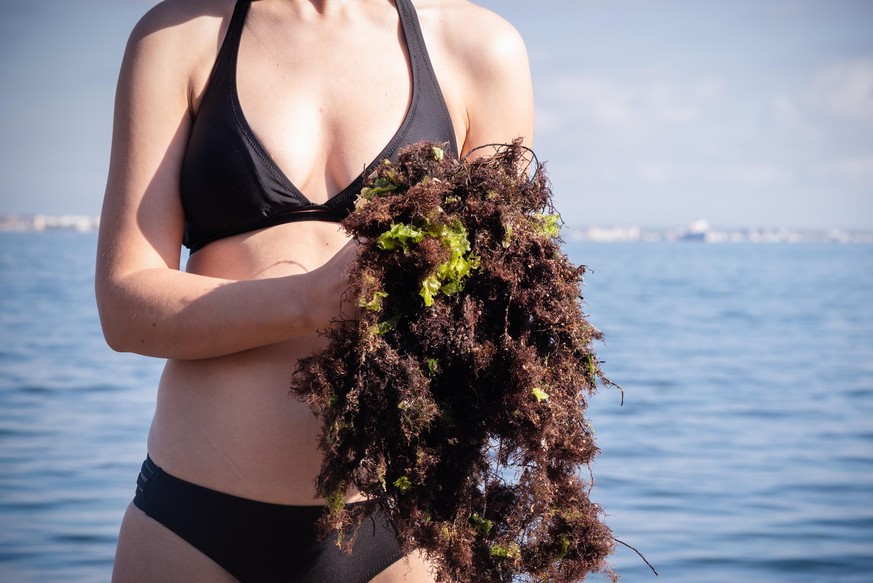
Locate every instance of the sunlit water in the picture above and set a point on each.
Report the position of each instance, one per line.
(743, 450)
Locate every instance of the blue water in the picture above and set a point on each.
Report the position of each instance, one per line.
(743, 450)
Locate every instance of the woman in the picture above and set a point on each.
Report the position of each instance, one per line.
(241, 130)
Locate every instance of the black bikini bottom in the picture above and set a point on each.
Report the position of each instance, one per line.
(259, 542)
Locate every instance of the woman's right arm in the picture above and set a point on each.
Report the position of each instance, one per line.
(146, 304)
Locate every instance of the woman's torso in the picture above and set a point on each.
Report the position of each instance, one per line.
(229, 422)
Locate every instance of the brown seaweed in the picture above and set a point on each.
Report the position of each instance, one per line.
(456, 399)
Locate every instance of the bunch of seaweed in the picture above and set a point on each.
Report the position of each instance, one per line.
(455, 400)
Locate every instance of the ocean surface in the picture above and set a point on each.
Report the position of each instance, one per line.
(743, 450)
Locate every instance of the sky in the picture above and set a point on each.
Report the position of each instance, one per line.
(652, 113)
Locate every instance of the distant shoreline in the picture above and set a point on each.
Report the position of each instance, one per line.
(40, 222)
(698, 231)
(716, 235)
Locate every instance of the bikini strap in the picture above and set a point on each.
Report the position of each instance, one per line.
(424, 81)
(230, 46)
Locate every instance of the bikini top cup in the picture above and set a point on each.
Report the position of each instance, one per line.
(230, 185)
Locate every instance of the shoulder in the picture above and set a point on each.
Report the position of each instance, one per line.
(177, 19)
(180, 32)
(473, 35)
(176, 42)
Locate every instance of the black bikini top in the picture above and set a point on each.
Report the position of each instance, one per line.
(230, 185)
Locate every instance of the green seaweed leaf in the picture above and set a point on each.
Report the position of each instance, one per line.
(399, 236)
(483, 525)
(565, 547)
(375, 304)
(386, 325)
(507, 236)
(403, 484)
(449, 276)
(547, 225)
(429, 287)
(510, 551)
(381, 185)
(540, 395)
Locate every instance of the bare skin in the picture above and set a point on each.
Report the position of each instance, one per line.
(233, 322)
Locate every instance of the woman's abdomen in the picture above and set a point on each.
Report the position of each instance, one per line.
(232, 424)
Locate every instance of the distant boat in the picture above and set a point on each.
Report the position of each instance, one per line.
(699, 237)
(695, 231)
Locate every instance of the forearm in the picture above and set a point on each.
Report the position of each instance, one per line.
(171, 314)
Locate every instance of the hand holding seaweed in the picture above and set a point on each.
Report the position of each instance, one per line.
(456, 401)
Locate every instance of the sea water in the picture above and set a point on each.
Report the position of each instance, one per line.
(743, 450)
